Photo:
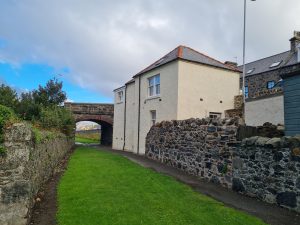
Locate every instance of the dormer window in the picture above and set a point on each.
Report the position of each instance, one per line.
(275, 64)
(250, 71)
(270, 84)
(154, 86)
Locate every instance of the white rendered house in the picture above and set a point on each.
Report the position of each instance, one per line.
(181, 85)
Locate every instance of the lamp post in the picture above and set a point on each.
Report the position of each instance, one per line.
(244, 48)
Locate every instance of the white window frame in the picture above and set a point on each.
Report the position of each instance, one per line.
(153, 117)
(120, 96)
(154, 86)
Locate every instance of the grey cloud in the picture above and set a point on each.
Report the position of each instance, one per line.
(104, 43)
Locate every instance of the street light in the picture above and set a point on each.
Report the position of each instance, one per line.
(244, 50)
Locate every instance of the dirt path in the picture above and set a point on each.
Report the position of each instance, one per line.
(44, 211)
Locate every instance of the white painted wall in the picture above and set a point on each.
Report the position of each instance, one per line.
(211, 84)
(165, 104)
(118, 126)
(265, 110)
(131, 116)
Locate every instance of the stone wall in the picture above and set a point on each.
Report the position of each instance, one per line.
(269, 169)
(265, 168)
(197, 146)
(27, 164)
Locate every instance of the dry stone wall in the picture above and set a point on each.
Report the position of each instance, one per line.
(261, 167)
(24, 168)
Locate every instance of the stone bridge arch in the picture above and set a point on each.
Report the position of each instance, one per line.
(102, 114)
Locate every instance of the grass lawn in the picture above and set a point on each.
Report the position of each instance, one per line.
(103, 188)
(86, 140)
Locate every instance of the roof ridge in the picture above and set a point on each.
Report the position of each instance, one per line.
(205, 55)
(158, 61)
(265, 58)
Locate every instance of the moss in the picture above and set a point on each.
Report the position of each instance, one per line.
(42, 136)
(2, 151)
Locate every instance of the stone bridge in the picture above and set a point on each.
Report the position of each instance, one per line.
(103, 114)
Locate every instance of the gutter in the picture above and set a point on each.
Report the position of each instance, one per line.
(125, 104)
(139, 117)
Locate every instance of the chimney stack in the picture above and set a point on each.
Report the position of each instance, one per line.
(295, 41)
(232, 64)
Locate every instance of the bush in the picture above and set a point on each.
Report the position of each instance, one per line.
(58, 118)
(6, 115)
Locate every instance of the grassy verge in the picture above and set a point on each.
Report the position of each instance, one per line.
(103, 188)
(86, 140)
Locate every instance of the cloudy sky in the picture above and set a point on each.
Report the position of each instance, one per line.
(94, 46)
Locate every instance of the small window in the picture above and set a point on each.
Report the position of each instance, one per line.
(275, 64)
(153, 117)
(270, 84)
(154, 85)
(246, 92)
(120, 96)
(214, 115)
(250, 71)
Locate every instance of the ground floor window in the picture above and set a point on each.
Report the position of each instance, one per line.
(215, 115)
(153, 117)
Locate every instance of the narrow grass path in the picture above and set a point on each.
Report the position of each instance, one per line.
(102, 188)
(86, 140)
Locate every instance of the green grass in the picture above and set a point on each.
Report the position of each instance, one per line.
(86, 140)
(102, 188)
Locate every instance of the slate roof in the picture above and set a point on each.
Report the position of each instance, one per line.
(263, 65)
(189, 54)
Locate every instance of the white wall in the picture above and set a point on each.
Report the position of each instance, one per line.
(165, 105)
(257, 112)
(209, 83)
(131, 116)
(118, 126)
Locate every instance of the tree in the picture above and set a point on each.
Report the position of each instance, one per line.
(51, 94)
(28, 109)
(8, 96)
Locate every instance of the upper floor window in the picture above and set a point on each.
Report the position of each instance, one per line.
(154, 85)
(246, 92)
(153, 117)
(270, 84)
(120, 96)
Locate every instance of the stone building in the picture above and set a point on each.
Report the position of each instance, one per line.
(181, 85)
(263, 86)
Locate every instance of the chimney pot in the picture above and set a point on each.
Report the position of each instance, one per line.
(295, 41)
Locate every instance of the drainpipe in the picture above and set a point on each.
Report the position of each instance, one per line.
(125, 102)
(139, 117)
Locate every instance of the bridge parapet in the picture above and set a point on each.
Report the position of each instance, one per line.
(91, 108)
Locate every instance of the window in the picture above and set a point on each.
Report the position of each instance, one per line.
(275, 64)
(153, 117)
(250, 71)
(270, 84)
(154, 85)
(214, 115)
(246, 92)
(120, 96)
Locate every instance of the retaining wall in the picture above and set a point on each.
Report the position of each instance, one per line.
(265, 168)
(28, 163)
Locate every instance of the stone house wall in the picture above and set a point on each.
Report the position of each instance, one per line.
(265, 168)
(26, 166)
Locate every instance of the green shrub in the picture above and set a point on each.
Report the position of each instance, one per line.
(6, 115)
(58, 118)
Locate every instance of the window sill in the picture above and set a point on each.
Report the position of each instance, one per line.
(119, 102)
(152, 97)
